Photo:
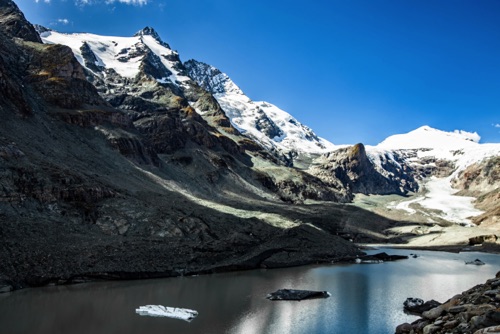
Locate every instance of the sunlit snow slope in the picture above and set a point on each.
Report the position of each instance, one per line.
(263, 121)
(121, 54)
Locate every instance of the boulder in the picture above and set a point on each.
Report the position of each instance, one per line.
(291, 294)
(492, 329)
(430, 329)
(433, 313)
(403, 328)
(481, 239)
(417, 305)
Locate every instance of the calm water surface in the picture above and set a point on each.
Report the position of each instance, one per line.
(365, 299)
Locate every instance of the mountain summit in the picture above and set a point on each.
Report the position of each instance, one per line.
(149, 31)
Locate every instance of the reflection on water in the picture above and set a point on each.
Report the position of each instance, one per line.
(365, 299)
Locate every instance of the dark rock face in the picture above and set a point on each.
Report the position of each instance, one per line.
(267, 126)
(208, 77)
(298, 295)
(482, 180)
(90, 58)
(473, 311)
(358, 174)
(15, 24)
(58, 77)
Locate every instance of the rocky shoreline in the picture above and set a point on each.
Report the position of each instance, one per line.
(475, 311)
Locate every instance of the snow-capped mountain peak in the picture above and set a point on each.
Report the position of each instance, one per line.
(123, 56)
(430, 138)
(149, 31)
(426, 145)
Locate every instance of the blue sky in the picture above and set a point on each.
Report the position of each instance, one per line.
(353, 71)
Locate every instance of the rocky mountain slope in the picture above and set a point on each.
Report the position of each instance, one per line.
(105, 174)
(145, 78)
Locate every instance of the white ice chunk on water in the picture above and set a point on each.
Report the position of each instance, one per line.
(164, 311)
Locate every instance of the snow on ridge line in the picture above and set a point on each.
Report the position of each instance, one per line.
(118, 53)
(243, 112)
(269, 125)
(106, 49)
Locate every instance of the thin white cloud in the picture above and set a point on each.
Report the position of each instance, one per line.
(63, 21)
(129, 2)
(83, 2)
(496, 125)
(46, 1)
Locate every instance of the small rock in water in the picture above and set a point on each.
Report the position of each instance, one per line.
(417, 305)
(411, 303)
(290, 294)
(476, 262)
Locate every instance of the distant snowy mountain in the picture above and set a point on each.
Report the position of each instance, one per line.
(427, 137)
(426, 144)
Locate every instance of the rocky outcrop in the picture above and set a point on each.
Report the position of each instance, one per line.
(482, 180)
(15, 24)
(359, 174)
(479, 178)
(474, 311)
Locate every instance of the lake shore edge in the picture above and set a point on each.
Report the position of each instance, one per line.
(7, 286)
(474, 311)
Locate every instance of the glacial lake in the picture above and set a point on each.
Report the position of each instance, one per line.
(366, 298)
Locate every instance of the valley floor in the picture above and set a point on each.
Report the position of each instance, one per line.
(435, 218)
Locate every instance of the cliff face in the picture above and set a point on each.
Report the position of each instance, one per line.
(359, 174)
(15, 24)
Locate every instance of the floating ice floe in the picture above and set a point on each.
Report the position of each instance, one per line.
(164, 311)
